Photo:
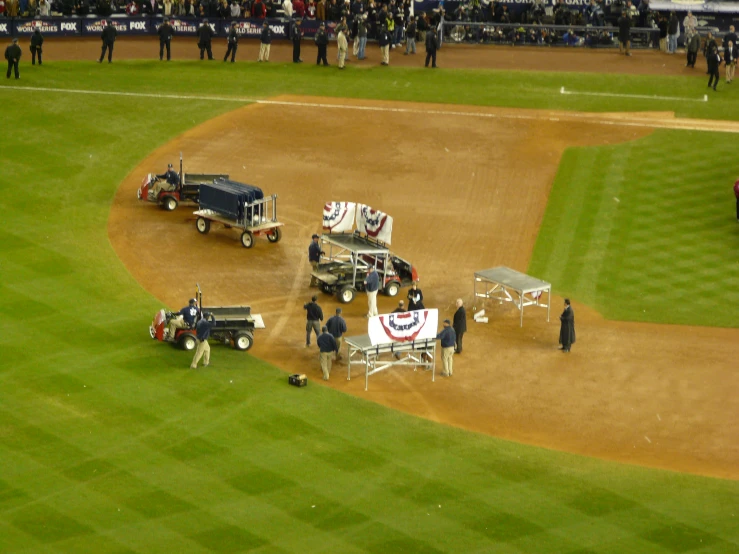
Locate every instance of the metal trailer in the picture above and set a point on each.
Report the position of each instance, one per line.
(361, 351)
(349, 258)
(236, 205)
(497, 283)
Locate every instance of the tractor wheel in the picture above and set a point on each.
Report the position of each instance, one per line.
(247, 239)
(168, 203)
(187, 342)
(203, 225)
(275, 235)
(346, 294)
(392, 288)
(243, 341)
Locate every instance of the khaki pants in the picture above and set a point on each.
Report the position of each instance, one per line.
(342, 57)
(447, 354)
(623, 47)
(160, 186)
(203, 350)
(663, 44)
(355, 46)
(385, 50)
(176, 323)
(313, 280)
(339, 344)
(263, 52)
(372, 303)
(326, 364)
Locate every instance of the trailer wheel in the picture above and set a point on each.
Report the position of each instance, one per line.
(187, 342)
(392, 288)
(243, 341)
(275, 235)
(346, 294)
(168, 203)
(203, 225)
(247, 239)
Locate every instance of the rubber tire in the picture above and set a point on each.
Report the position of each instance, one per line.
(187, 342)
(243, 341)
(392, 289)
(247, 239)
(168, 203)
(203, 225)
(275, 236)
(346, 294)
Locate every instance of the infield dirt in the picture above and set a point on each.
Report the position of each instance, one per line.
(466, 194)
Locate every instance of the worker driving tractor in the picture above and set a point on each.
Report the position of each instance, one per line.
(185, 320)
(167, 182)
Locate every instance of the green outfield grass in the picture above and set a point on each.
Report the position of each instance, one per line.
(108, 443)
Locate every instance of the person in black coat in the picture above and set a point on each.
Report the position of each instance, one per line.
(205, 36)
(624, 34)
(13, 55)
(415, 298)
(321, 39)
(165, 32)
(233, 43)
(713, 58)
(37, 40)
(432, 43)
(567, 327)
(730, 55)
(459, 323)
(108, 37)
(297, 34)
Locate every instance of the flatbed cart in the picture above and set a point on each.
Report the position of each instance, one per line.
(238, 206)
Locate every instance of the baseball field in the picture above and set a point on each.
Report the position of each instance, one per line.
(617, 191)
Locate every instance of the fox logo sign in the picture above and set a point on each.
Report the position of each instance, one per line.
(71, 26)
(4, 28)
(137, 25)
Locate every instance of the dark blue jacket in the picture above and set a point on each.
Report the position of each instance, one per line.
(372, 282)
(336, 326)
(266, 35)
(314, 252)
(189, 313)
(313, 311)
(384, 38)
(171, 176)
(327, 343)
(448, 337)
(203, 328)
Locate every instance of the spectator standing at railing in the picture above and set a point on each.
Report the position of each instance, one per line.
(371, 19)
(624, 33)
(410, 36)
(44, 8)
(287, 8)
(310, 10)
(690, 26)
(167, 8)
(673, 31)
(259, 10)
(333, 11)
(643, 10)
(235, 10)
(298, 9)
(321, 10)
(2, 8)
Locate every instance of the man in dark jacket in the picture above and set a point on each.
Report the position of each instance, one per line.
(13, 55)
(624, 33)
(108, 37)
(165, 32)
(410, 37)
(36, 41)
(694, 45)
(265, 41)
(297, 35)
(205, 35)
(567, 327)
(384, 39)
(431, 46)
(314, 250)
(313, 316)
(337, 327)
(459, 324)
(233, 43)
(448, 340)
(202, 331)
(167, 181)
(713, 58)
(321, 39)
(326, 346)
(673, 32)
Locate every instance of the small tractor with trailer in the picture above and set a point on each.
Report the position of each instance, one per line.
(234, 326)
(348, 261)
(187, 190)
(238, 206)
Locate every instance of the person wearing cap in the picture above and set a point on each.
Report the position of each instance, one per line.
(448, 339)
(343, 45)
(314, 257)
(167, 181)
(202, 333)
(185, 319)
(327, 347)
(337, 327)
(372, 285)
(567, 327)
(460, 324)
(265, 41)
(297, 34)
(400, 309)
(321, 39)
(313, 317)
(233, 43)
(205, 35)
(13, 55)
(384, 39)
(432, 44)
(108, 37)
(37, 40)
(165, 32)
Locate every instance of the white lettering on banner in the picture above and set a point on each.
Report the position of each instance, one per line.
(3, 27)
(137, 25)
(69, 26)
